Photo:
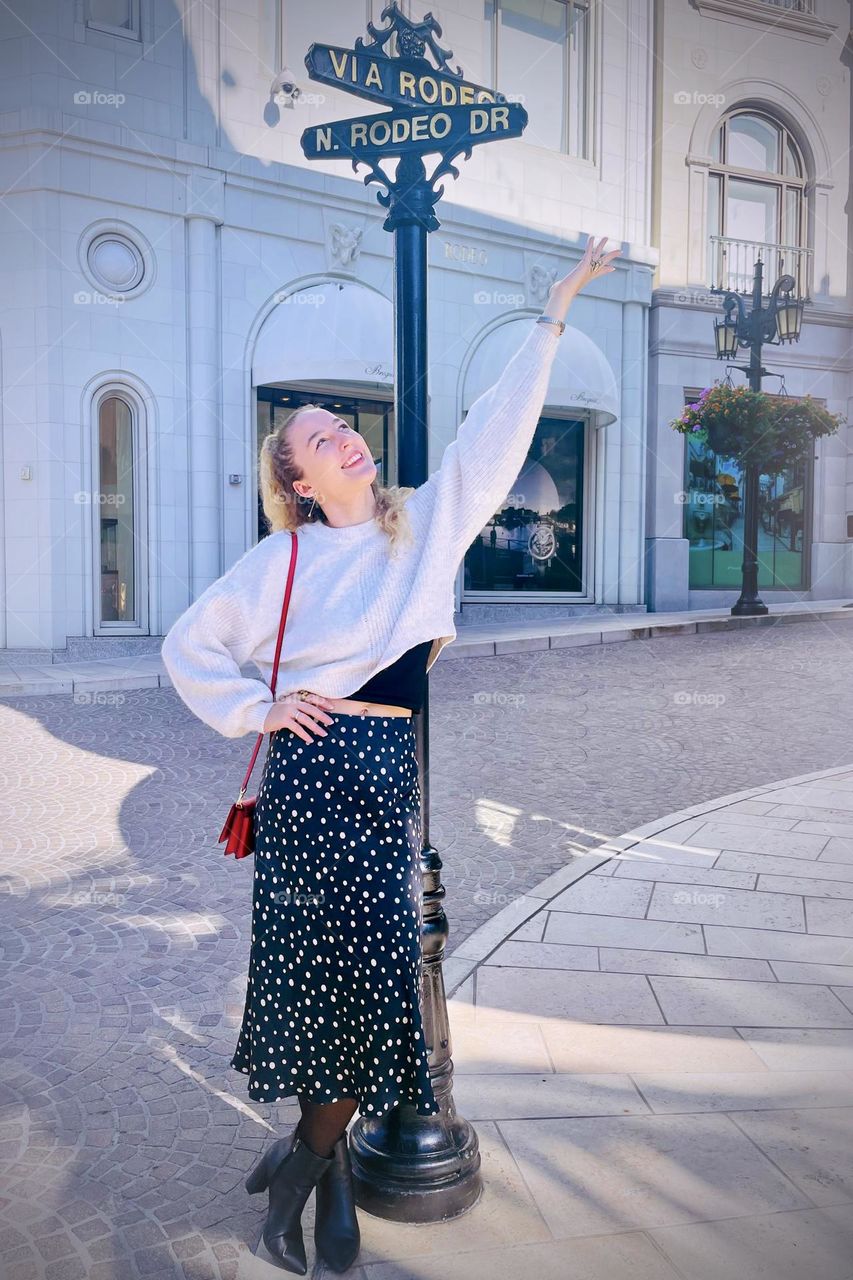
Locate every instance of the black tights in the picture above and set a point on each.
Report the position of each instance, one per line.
(322, 1123)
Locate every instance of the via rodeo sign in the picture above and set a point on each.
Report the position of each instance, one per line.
(431, 109)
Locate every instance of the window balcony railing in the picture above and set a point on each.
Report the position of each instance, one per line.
(732, 264)
(796, 6)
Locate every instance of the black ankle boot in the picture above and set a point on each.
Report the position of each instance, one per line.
(291, 1170)
(336, 1232)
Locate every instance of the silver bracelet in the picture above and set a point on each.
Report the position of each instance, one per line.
(551, 320)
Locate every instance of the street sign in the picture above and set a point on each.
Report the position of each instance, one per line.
(395, 133)
(403, 82)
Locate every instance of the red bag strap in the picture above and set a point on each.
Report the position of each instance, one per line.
(284, 608)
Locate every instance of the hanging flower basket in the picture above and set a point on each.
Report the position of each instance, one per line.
(753, 428)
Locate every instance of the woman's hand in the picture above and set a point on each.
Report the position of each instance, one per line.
(562, 291)
(298, 714)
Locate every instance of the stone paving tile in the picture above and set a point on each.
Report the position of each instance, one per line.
(486, 1097)
(734, 1092)
(609, 931)
(801, 1048)
(726, 940)
(768, 866)
(785, 1246)
(760, 1004)
(629, 1048)
(814, 1148)
(743, 907)
(622, 898)
(600, 997)
(686, 965)
(628, 1256)
(631, 1172)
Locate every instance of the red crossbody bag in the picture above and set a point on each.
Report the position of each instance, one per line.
(239, 829)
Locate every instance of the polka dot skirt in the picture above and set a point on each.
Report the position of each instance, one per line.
(333, 998)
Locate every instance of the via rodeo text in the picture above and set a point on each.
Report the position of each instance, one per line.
(428, 110)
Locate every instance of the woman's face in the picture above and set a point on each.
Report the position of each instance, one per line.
(333, 459)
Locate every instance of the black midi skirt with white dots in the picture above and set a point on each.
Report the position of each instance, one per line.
(333, 998)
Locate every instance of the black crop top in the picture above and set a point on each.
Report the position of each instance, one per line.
(401, 684)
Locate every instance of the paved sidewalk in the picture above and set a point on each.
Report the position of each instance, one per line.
(27, 675)
(656, 1047)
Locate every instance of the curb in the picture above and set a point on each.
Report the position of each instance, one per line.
(147, 672)
(479, 945)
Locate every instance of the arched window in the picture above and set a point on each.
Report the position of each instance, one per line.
(118, 506)
(756, 203)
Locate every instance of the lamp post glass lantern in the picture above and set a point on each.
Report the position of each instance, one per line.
(410, 1167)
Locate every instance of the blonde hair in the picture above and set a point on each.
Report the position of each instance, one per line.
(284, 508)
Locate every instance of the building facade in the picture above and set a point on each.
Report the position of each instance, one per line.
(179, 276)
(751, 159)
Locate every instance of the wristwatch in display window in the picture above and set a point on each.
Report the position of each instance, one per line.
(561, 324)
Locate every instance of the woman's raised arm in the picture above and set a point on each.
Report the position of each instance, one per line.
(481, 464)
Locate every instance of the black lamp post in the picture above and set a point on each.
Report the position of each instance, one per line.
(409, 1167)
(780, 321)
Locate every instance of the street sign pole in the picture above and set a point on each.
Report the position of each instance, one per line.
(407, 1167)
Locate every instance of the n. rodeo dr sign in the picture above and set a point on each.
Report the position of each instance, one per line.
(397, 132)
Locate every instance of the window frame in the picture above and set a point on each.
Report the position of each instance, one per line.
(94, 24)
(780, 182)
(470, 595)
(586, 130)
(139, 625)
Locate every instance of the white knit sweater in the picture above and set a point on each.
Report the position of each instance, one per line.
(353, 608)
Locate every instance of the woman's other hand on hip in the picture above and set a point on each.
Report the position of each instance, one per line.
(301, 713)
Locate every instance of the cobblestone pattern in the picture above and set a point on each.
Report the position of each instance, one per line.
(124, 1136)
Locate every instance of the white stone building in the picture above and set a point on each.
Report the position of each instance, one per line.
(177, 274)
(751, 155)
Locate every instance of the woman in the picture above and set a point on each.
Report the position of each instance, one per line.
(332, 1010)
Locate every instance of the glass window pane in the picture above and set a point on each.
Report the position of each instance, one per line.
(489, 40)
(578, 105)
(792, 160)
(713, 517)
(115, 505)
(752, 211)
(715, 183)
(791, 229)
(717, 145)
(531, 65)
(321, 21)
(535, 541)
(111, 13)
(753, 143)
